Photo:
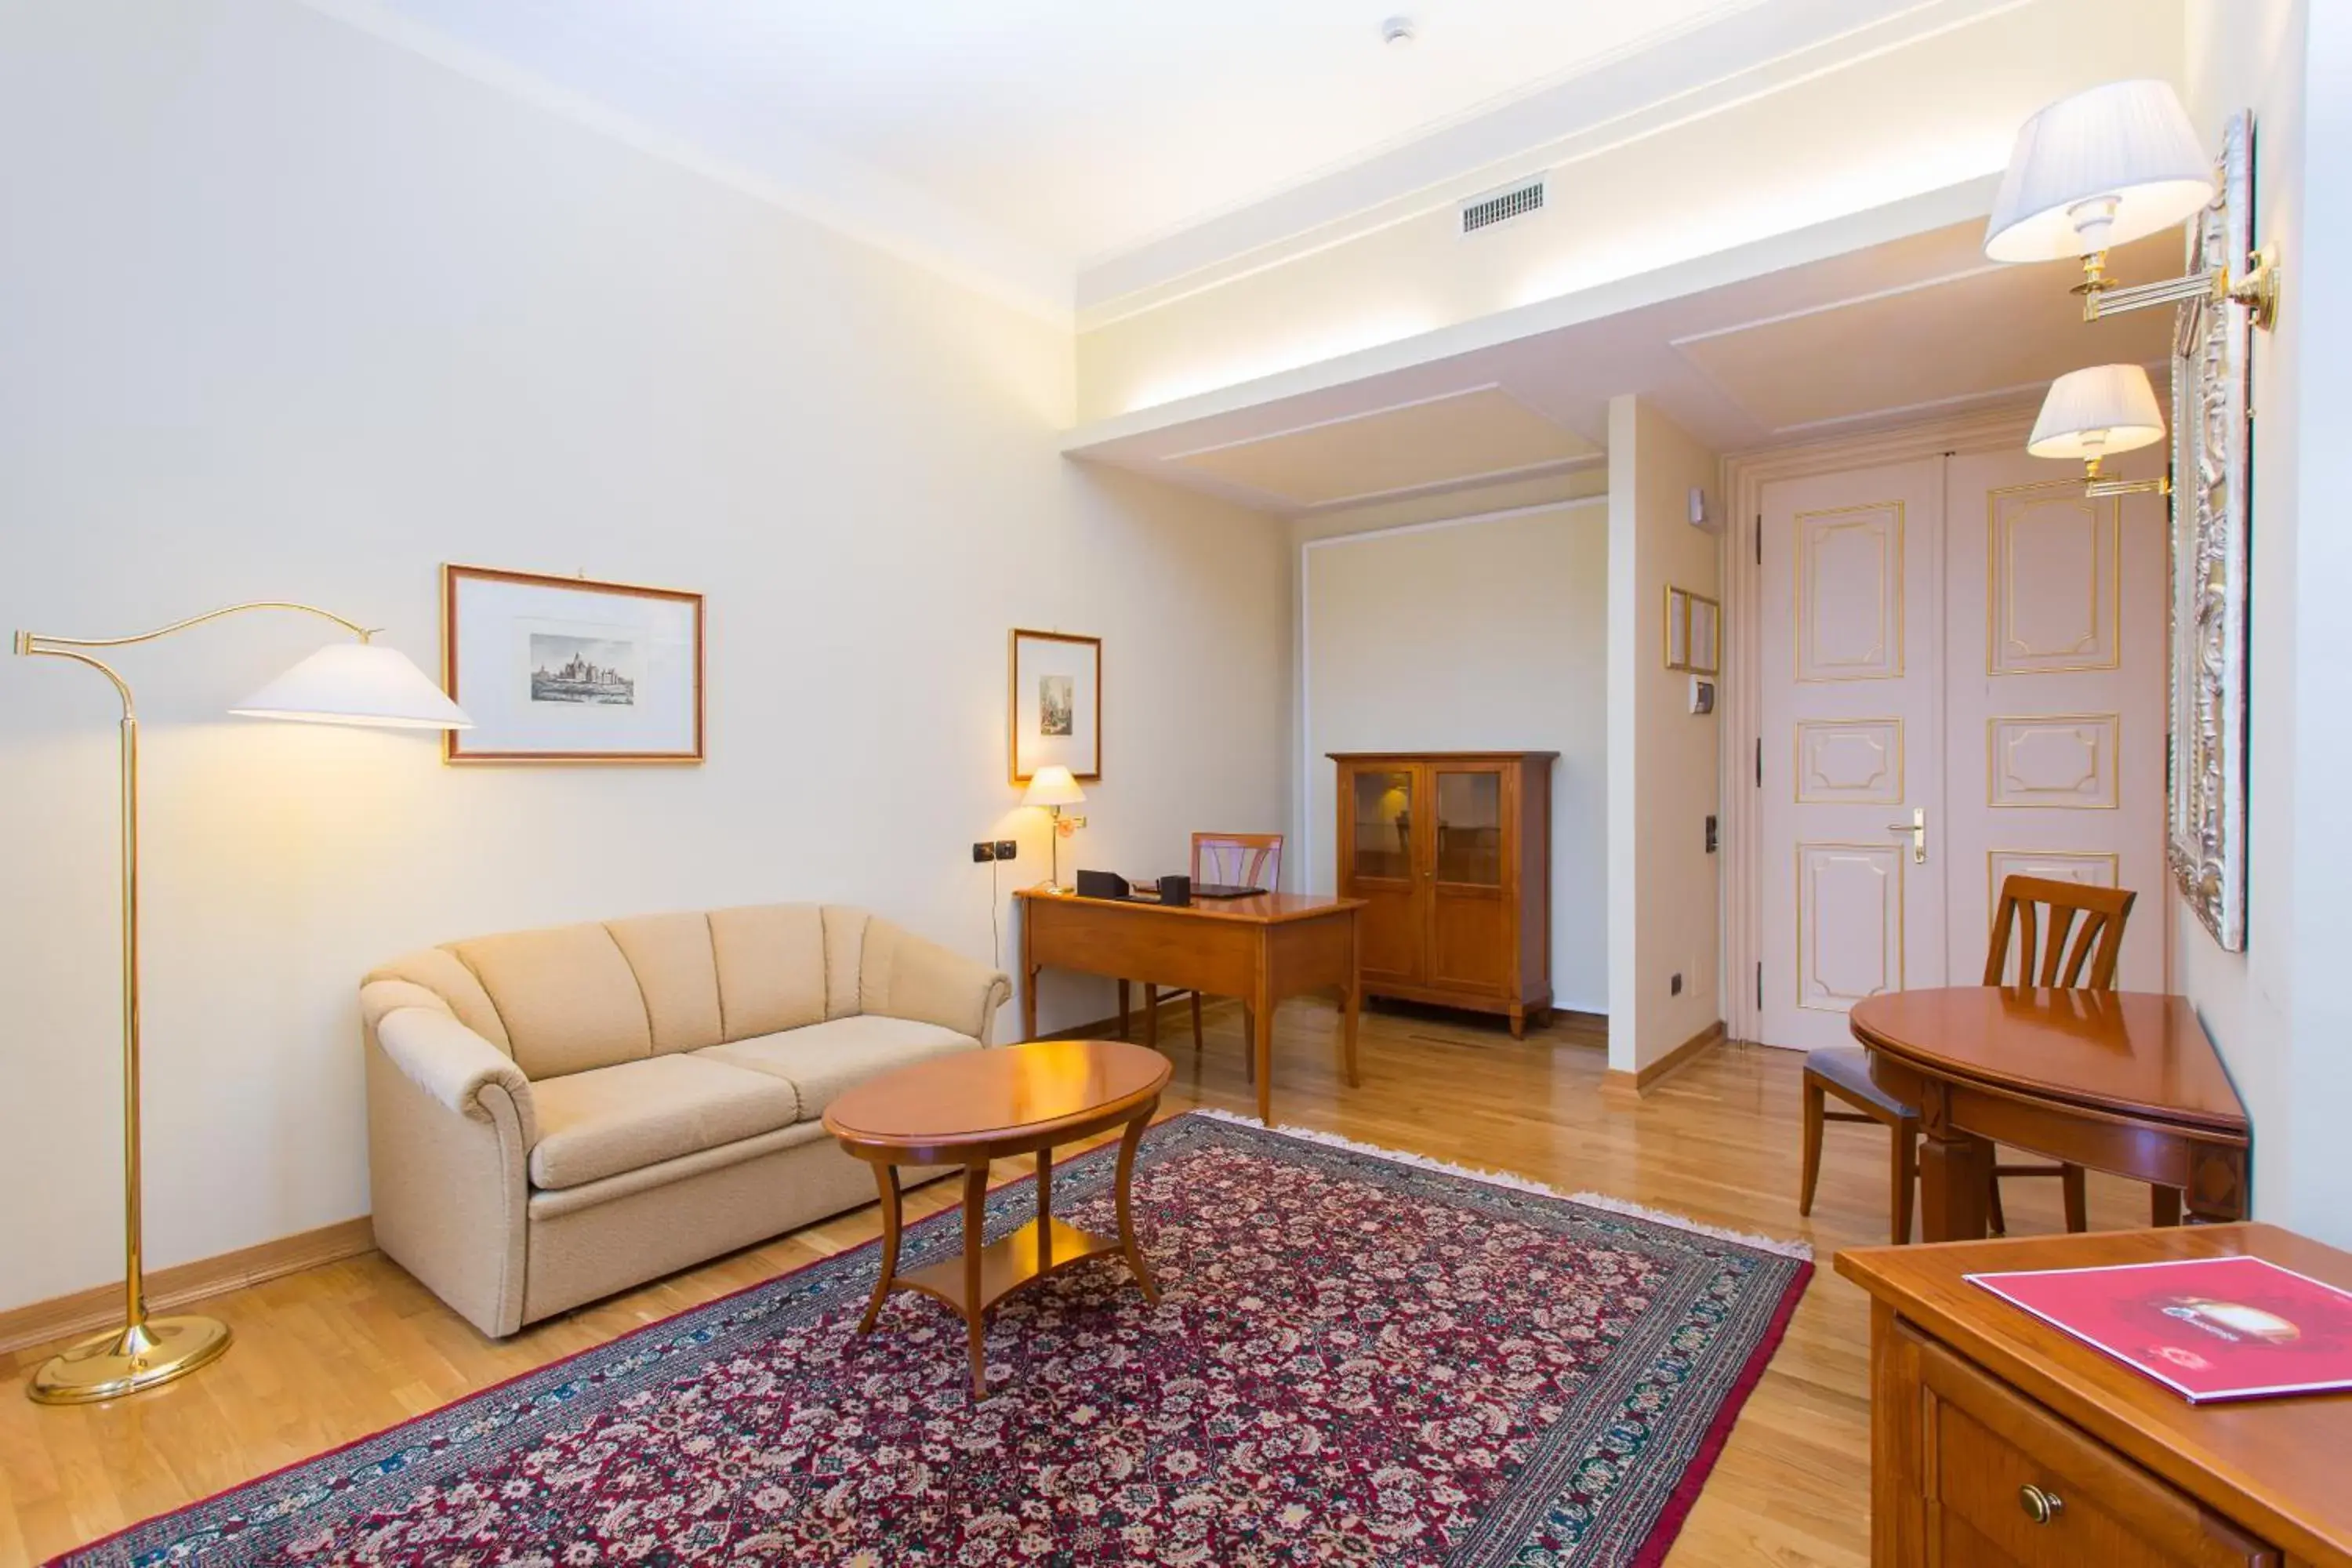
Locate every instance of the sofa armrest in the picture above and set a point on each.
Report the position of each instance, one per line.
(450, 1127)
(903, 976)
(455, 1066)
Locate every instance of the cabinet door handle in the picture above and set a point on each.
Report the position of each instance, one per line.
(2040, 1507)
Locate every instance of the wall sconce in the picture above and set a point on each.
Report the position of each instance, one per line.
(2091, 412)
(2107, 166)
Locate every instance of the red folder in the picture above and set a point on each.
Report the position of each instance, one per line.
(2206, 1328)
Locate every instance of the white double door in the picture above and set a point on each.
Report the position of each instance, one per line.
(1962, 675)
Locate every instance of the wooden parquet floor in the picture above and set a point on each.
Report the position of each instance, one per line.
(334, 1355)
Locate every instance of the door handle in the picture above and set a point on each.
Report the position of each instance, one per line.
(1918, 828)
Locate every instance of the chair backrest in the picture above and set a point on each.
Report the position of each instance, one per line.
(1238, 860)
(2096, 945)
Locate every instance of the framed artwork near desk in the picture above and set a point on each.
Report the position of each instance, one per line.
(1053, 706)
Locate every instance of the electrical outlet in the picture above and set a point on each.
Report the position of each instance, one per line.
(1674, 985)
(1008, 850)
(984, 852)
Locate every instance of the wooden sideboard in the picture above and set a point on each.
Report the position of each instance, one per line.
(1996, 1439)
(1450, 852)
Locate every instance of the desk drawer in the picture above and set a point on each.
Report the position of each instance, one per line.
(2007, 1482)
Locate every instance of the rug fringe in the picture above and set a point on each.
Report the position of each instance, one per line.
(1774, 1245)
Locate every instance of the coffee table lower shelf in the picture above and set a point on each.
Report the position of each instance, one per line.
(1008, 1264)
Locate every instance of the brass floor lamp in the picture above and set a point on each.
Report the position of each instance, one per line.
(344, 683)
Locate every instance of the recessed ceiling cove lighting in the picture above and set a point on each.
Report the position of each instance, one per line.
(1397, 32)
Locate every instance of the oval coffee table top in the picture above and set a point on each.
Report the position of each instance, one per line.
(2135, 1052)
(974, 1100)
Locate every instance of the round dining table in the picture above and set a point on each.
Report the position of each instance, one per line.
(2122, 1082)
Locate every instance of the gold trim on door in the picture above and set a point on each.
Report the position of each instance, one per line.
(2113, 762)
(1891, 965)
(1797, 796)
(1892, 585)
(1996, 580)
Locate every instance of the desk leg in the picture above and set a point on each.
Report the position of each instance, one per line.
(1125, 995)
(1152, 1015)
(1351, 1002)
(1028, 1003)
(1954, 1168)
(1261, 1021)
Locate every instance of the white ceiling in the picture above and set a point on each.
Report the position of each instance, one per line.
(1882, 335)
(1030, 139)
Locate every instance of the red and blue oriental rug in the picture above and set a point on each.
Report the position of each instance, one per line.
(1357, 1359)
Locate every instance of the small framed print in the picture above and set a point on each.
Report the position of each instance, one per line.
(1694, 632)
(562, 670)
(1055, 704)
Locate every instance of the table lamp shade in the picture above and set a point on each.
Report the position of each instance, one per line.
(2102, 168)
(1052, 785)
(356, 683)
(2106, 408)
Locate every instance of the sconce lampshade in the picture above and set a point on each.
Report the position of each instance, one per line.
(2102, 168)
(356, 683)
(1052, 785)
(2091, 412)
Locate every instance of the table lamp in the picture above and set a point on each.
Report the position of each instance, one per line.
(344, 683)
(1051, 788)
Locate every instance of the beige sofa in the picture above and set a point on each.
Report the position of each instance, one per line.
(556, 1115)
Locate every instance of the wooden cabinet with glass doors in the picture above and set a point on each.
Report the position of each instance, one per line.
(1450, 852)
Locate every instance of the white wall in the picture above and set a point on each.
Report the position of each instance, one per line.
(2279, 1011)
(1665, 899)
(292, 313)
(1463, 636)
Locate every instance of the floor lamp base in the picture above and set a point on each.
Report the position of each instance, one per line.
(127, 1360)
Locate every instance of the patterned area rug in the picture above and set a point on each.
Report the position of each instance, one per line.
(1358, 1358)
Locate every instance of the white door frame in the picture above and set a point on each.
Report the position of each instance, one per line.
(1741, 696)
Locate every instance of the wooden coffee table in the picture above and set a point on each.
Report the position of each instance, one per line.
(978, 1106)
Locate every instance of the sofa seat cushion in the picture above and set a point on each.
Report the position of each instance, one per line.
(613, 1119)
(824, 1059)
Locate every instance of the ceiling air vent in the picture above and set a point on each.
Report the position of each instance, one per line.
(1502, 207)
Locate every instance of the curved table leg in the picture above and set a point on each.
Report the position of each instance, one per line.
(1121, 1185)
(886, 1177)
(975, 1317)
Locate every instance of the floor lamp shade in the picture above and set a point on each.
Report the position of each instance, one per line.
(356, 683)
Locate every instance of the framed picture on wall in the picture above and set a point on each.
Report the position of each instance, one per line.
(1055, 704)
(1694, 632)
(561, 669)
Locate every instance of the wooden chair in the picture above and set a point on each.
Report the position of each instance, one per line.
(1234, 860)
(2088, 961)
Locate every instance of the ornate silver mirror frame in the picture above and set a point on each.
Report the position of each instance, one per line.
(2211, 467)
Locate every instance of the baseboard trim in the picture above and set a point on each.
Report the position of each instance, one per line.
(1179, 1012)
(87, 1311)
(1673, 1062)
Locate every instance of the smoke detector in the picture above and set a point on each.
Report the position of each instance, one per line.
(1397, 32)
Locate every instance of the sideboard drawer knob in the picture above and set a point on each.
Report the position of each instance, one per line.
(2040, 1507)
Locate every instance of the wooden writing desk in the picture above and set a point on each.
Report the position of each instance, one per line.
(2123, 1081)
(1996, 1439)
(1260, 949)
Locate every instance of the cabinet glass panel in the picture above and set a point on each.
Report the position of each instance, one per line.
(1470, 828)
(1383, 823)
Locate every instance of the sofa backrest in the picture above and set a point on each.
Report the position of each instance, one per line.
(569, 998)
